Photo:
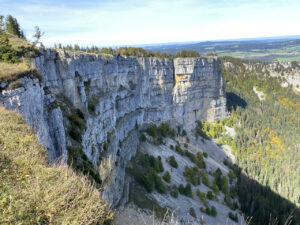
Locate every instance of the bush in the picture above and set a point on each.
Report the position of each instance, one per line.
(181, 189)
(143, 138)
(167, 177)
(174, 191)
(188, 191)
(179, 150)
(192, 212)
(205, 154)
(152, 131)
(205, 179)
(159, 184)
(215, 188)
(164, 129)
(191, 156)
(187, 53)
(173, 162)
(233, 217)
(213, 211)
(192, 175)
(209, 195)
(160, 140)
(200, 161)
(202, 197)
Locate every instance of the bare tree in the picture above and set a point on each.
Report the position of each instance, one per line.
(37, 35)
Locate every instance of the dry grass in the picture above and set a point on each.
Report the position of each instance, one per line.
(17, 42)
(9, 69)
(31, 192)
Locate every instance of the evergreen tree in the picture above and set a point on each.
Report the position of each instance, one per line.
(12, 26)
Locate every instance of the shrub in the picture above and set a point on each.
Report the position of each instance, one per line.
(173, 162)
(191, 156)
(192, 175)
(205, 179)
(167, 177)
(181, 189)
(143, 137)
(164, 129)
(186, 145)
(202, 197)
(213, 211)
(174, 191)
(192, 212)
(159, 184)
(160, 140)
(187, 53)
(171, 147)
(233, 217)
(188, 191)
(152, 131)
(215, 188)
(205, 154)
(209, 195)
(200, 161)
(179, 150)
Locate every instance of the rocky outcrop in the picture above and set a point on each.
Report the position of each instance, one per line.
(116, 95)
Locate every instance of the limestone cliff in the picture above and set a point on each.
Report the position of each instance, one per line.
(115, 95)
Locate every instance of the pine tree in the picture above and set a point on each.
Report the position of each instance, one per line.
(12, 26)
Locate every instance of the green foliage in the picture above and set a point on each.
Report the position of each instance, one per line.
(174, 191)
(210, 195)
(173, 162)
(208, 130)
(202, 197)
(213, 211)
(12, 26)
(233, 216)
(167, 177)
(192, 175)
(7, 53)
(209, 211)
(192, 212)
(164, 129)
(200, 161)
(215, 188)
(205, 179)
(152, 131)
(145, 171)
(205, 154)
(187, 53)
(179, 150)
(266, 142)
(186, 190)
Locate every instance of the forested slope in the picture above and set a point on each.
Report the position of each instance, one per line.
(267, 144)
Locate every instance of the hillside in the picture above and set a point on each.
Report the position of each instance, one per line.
(268, 50)
(266, 145)
(32, 192)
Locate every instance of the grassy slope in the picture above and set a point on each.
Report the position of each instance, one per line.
(9, 69)
(31, 192)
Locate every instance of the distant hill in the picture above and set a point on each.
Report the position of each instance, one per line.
(280, 49)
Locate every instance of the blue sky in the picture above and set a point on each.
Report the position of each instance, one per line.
(129, 22)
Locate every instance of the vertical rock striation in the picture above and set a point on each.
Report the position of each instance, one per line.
(116, 94)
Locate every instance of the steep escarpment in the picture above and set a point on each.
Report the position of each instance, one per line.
(88, 107)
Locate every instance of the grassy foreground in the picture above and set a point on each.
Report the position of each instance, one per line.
(32, 192)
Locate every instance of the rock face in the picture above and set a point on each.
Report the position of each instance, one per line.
(116, 95)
